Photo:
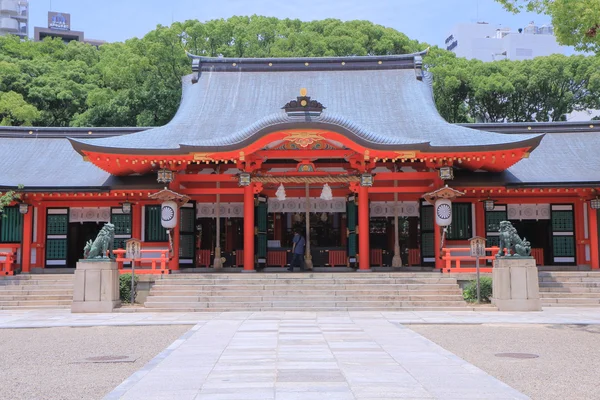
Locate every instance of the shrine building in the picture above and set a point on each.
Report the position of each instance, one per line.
(344, 150)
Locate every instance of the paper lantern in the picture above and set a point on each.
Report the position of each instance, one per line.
(168, 214)
(443, 212)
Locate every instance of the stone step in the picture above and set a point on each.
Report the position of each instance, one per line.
(299, 281)
(571, 300)
(570, 289)
(30, 307)
(569, 284)
(36, 283)
(573, 304)
(315, 298)
(296, 275)
(22, 291)
(35, 297)
(569, 273)
(303, 303)
(303, 309)
(569, 295)
(569, 279)
(36, 303)
(307, 287)
(294, 292)
(23, 277)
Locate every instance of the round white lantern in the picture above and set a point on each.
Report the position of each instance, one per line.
(168, 214)
(443, 212)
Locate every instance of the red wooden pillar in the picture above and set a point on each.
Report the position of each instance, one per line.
(364, 263)
(249, 228)
(174, 262)
(480, 229)
(136, 221)
(579, 232)
(26, 241)
(437, 239)
(41, 237)
(593, 226)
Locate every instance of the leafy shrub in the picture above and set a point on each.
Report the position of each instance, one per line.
(125, 287)
(485, 290)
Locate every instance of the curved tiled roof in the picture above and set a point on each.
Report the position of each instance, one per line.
(227, 107)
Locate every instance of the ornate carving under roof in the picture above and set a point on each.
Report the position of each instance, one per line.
(445, 192)
(169, 195)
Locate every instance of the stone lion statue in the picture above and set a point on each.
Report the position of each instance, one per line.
(102, 246)
(510, 240)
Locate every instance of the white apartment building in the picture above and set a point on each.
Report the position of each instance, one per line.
(488, 42)
(14, 17)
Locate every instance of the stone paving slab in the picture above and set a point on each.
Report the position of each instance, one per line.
(373, 357)
(295, 323)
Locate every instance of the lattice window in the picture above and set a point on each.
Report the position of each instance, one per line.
(427, 245)
(56, 249)
(427, 218)
(57, 224)
(564, 246)
(119, 243)
(460, 229)
(154, 229)
(493, 219)
(562, 221)
(186, 218)
(122, 223)
(11, 225)
(261, 224)
(186, 246)
(492, 241)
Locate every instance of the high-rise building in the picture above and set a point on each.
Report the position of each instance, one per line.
(489, 42)
(59, 26)
(14, 17)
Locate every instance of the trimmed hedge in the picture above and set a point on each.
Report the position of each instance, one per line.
(485, 289)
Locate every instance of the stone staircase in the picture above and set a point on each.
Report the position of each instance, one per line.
(307, 292)
(570, 289)
(22, 292)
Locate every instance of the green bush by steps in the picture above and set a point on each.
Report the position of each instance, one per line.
(125, 287)
(485, 289)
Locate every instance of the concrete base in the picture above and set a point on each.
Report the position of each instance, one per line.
(248, 270)
(515, 285)
(364, 270)
(95, 287)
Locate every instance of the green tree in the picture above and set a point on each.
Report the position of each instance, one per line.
(576, 22)
(14, 110)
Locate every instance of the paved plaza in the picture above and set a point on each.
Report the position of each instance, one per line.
(311, 355)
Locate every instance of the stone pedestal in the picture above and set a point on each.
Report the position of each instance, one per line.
(515, 284)
(96, 287)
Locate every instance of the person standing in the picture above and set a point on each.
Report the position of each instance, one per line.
(297, 251)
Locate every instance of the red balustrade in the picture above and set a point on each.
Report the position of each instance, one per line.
(449, 256)
(160, 262)
(277, 258)
(337, 258)
(204, 258)
(376, 257)
(7, 266)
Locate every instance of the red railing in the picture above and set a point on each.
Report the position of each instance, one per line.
(538, 254)
(161, 261)
(449, 257)
(277, 258)
(337, 258)
(239, 258)
(414, 257)
(376, 257)
(203, 257)
(7, 260)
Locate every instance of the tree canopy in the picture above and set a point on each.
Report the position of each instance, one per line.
(138, 82)
(576, 22)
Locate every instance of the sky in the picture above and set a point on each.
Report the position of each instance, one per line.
(428, 21)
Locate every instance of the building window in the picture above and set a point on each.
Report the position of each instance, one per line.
(154, 231)
(11, 225)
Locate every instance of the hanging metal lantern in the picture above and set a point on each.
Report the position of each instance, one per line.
(443, 212)
(168, 214)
